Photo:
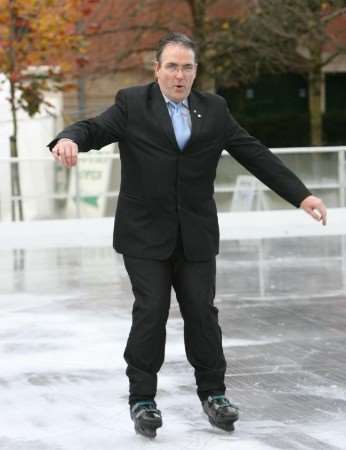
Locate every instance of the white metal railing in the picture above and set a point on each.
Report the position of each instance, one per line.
(77, 194)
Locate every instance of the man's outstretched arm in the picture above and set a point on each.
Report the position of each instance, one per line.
(94, 133)
(269, 169)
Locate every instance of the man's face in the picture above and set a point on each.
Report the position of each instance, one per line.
(176, 71)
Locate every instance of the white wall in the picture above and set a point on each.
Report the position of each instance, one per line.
(33, 135)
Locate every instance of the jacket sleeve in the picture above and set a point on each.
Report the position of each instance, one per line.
(261, 162)
(96, 132)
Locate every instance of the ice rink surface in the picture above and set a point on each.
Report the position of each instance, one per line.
(65, 306)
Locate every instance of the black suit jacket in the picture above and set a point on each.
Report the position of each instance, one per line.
(163, 187)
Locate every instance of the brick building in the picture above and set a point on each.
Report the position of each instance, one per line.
(122, 35)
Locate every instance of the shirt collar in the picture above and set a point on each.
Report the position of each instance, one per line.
(184, 102)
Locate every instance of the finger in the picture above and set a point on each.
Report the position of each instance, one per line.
(74, 155)
(319, 214)
(68, 155)
(324, 221)
(71, 155)
(55, 153)
(314, 214)
(62, 155)
(323, 213)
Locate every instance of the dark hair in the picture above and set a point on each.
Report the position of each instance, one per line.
(175, 38)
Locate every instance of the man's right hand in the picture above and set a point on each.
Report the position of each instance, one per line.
(66, 152)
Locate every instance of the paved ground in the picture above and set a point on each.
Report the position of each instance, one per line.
(64, 321)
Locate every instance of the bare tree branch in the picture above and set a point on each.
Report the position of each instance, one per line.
(329, 17)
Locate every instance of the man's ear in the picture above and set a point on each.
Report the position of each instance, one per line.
(156, 68)
(196, 67)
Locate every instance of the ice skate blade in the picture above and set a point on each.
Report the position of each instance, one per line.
(147, 432)
(226, 426)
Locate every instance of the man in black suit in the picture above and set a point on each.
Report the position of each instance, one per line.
(170, 141)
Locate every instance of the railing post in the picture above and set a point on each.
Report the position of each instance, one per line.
(341, 173)
(77, 192)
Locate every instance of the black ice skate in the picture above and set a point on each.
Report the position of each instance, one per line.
(221, 412)
(146, 417)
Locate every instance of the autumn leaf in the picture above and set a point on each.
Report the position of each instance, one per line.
(40, 34)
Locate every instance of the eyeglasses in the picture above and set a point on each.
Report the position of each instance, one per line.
(187, 69)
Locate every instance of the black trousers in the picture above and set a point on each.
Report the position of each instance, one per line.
(194, 285)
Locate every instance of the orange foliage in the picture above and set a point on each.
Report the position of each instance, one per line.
(36, 33)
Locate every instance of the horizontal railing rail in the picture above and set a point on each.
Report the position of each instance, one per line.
(338, 184)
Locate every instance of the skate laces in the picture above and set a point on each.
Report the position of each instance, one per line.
(146, 403)
(220, 401)
(145, 406)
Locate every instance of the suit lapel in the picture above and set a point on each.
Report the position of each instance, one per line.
(161, 114)
(197, 112)
(160, 111)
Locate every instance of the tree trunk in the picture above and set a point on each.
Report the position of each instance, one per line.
(15, 177)
(199, 13)
(203, 80)
(315, 106)
(81, 97)
(81, 80)
(16, 205)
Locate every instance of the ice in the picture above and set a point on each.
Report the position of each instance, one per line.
(65, 306)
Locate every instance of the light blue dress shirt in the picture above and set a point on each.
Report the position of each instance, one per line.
(186, 109)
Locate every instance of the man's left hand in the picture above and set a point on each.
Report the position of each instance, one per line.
(315, 207)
